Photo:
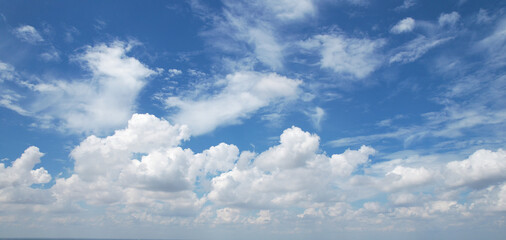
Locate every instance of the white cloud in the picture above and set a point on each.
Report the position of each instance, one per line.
(289, 174)
(482, 168)
(316, 117)
(174, 72)
(28, 34)
(406, 4)
(144, 134)
(494, 45)
(141, 165)
(97, 104)
(16, 181)
(295, 148)
(344, 164)
(51, 55)
(490, 199)
(250, 35)
(227, 215)
(243, 94)
(7, 72)
(416, 48)
(347, 56)
(21, 173)
(141, 174)
(448, 19)
(402, 198)
(405, 25)
(403, 177)
(291, 9)
(267, 49)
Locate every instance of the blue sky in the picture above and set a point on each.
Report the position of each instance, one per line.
(302, 119)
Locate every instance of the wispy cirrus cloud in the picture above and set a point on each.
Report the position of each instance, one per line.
(347, 56)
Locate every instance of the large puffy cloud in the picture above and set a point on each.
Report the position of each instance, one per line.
(97, 104)
(356, 57)
(243, 94)
(403, 177)
(16, 180)
(21, 173)
(141, 167)
(295, 148)
(291, 173)
(144, 134)
(344, 164)
(482, 168)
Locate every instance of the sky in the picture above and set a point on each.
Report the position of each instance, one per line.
(224, 119)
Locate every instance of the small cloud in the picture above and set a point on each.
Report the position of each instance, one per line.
(317, 116)
(174, 72)
(4, 159)
(416, 48)
(196, 73)
(70, 33)
(405, 5)
(405, 25)
(28, 34)
(99, 24)
(448, 18)
(483, 17)
(50, 56)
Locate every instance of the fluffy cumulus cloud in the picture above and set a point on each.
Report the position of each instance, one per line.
(242, 94)
(28, 34)
(481, 169)
(100, 103)
(405, 25)
(21, 173)
(403, 177)
(354, 57)
(142, 174)
(291, 173)
(17, 180)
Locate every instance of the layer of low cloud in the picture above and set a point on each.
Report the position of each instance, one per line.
(142, 174)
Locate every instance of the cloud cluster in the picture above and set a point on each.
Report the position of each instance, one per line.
(141, 173)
